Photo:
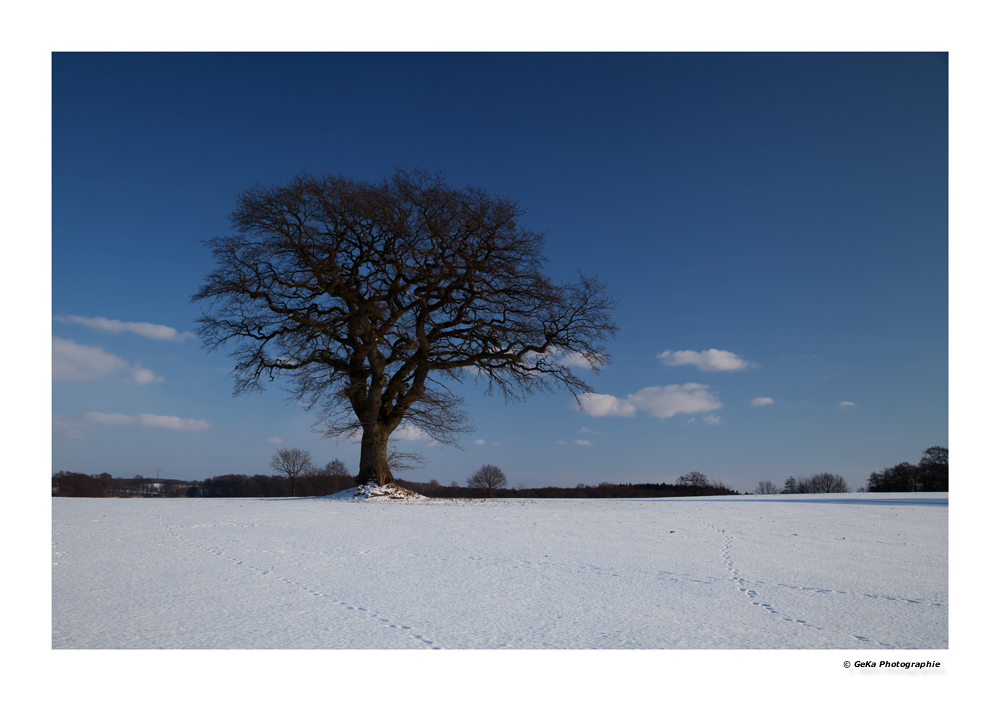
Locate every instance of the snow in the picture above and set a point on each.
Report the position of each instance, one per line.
(860, 572)
(373, 492)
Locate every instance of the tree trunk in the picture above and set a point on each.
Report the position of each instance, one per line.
(374, 456)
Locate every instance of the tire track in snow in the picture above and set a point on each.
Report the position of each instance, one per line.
(370, 613)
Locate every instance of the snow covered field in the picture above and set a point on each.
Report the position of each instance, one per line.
(853, 571)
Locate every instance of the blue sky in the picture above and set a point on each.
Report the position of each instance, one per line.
(773, 227)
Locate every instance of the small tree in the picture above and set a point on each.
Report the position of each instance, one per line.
(328, 479)
(488, 477)
(693, 479)
(335, 468)
(291, 462)
(827, 483)
(765, 487)
(336, 472)
(791, 486)
(721, 486)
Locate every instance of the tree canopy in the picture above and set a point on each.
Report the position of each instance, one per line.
(370, 296)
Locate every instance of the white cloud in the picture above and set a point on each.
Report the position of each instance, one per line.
(72, 362)
(761, 401)
(409, 432)
(605, 405)
(711, 360)
(495, 443)
(273, 440)
(142, 376)
(96, 417)
(585, 430)
(661, 402)
(561, 443)
(664, 402)
(572, 359)
(479, 441)
(712, 419)
(846, 404)
(157, 332)
(173, 423)
(582, 443)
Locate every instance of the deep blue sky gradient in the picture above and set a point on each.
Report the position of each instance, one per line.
(789, 208)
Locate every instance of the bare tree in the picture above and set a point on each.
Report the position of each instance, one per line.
(720, 485)
(693, 479)
(335, 468)
(488, 477)
(369, 297)
(827, 483)
(765, 487)
(332, 477)
(292, 462)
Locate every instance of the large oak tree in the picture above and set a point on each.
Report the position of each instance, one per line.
(370, 297)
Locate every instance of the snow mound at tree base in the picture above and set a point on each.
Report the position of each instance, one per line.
(374, 492)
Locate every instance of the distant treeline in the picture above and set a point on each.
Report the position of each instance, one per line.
(930, 475)
(604, 490)
(311, 485)
(74, 484)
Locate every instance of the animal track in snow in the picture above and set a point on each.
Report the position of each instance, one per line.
(745, 585)
(880, 597)
(753, 593)
(407, 630)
